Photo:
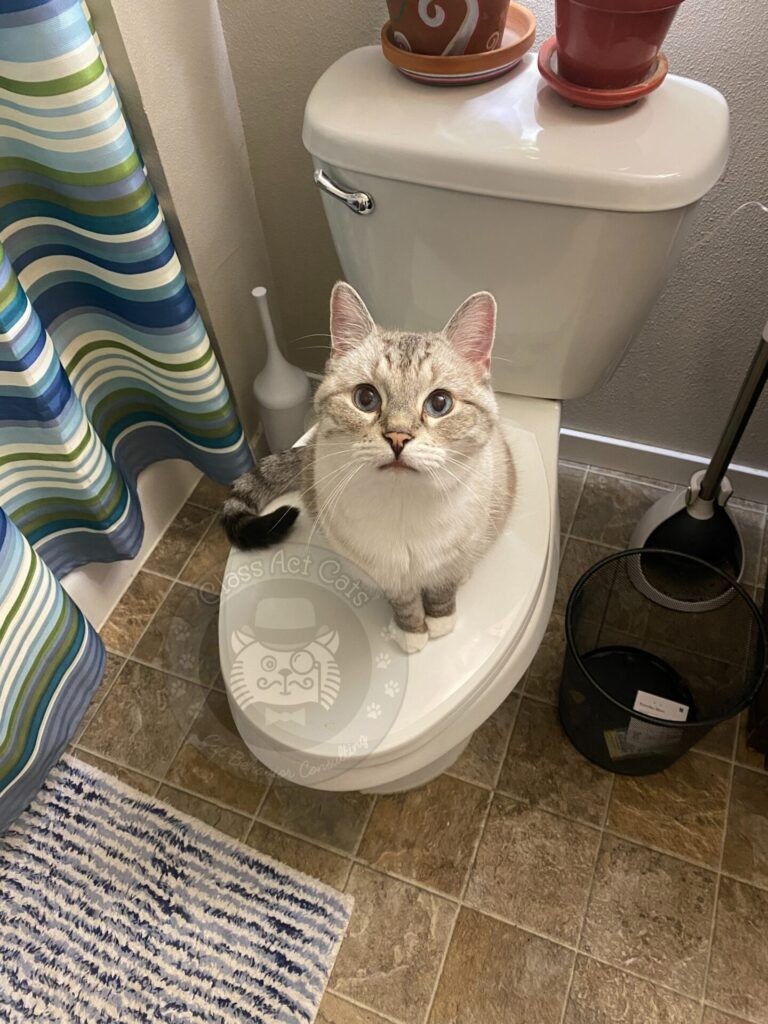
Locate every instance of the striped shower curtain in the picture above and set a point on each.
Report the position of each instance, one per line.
(105, 367)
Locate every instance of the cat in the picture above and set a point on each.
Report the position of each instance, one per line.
(408, 474)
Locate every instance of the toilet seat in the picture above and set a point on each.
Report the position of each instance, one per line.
(388, 723)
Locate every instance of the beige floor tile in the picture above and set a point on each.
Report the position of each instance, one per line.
(114, 662)
(427, 835)
(543, 768)
(183, 636)
(611, 507)
(141, 782)
(745, 755)
(296, 853)
(680, 810)
(214, 762)
(229, 822)
(579, 556)
(336, 819)
(206, 566)
(179, 540)
(533, 869)
(712, 1016)
(497, 974)
(652, 913)
(720, 740)
(209, 494)
(604, 995)
(133, 612)
(394, 946)
(738, 971)
(543, 677)
(334, 1010)
(144, 719)
(746, 840)
(569, 486)
(721, 638)
(481, 760)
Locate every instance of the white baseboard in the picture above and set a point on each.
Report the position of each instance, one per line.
(163, 488)
(658, 463)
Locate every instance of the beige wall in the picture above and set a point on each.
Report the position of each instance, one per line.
(277, 52)
(675, 388)
(170, 63)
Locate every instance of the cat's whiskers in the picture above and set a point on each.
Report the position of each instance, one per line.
(317, 458)
(338, 488)
(481, 502)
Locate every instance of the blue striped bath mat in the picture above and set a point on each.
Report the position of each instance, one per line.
(115, 907)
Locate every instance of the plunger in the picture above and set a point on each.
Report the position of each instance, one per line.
(697, 521)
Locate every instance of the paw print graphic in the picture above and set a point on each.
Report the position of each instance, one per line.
(373, 710)
(382, 660)
(392, 688)
(386, 632)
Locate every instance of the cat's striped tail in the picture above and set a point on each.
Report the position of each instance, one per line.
(241, 514)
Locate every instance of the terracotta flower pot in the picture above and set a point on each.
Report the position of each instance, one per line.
(610, 44)
(447, 27)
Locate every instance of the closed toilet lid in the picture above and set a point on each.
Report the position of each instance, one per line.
(308, 661)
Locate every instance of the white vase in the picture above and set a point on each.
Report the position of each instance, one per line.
(282, 391)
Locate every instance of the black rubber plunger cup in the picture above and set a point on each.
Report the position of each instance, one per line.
(642, 682)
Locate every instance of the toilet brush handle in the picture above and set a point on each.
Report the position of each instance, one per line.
(743, 408)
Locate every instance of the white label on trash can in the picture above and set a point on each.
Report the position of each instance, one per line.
(642, 737)
(659, 707)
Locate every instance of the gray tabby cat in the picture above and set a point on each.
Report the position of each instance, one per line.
(408, 473)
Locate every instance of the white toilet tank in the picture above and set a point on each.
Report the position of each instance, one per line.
(572, 218)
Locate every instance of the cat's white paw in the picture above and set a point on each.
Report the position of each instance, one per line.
(441, 626)
(411, 643)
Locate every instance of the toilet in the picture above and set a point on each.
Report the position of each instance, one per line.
(574, 220)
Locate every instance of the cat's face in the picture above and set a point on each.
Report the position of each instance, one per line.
(307, 674)
(408, 403)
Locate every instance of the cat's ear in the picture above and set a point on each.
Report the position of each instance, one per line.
(351, 322)
(472, 328)
(329, 638)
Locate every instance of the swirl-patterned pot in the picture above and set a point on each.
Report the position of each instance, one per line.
(447, 27)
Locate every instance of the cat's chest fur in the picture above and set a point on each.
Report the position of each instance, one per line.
(402, 530)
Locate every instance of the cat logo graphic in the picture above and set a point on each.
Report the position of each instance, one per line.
(285, 661)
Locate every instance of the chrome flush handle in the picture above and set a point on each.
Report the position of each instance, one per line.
(358, 202)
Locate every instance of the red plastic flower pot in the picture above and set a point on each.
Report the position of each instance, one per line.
(610, 44)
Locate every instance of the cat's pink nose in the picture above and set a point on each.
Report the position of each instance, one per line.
(397, 441)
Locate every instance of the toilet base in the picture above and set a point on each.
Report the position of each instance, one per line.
(423, 775)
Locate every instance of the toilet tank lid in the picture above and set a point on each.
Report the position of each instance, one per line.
(516, 139)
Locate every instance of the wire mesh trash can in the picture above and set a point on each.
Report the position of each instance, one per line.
(645, 679)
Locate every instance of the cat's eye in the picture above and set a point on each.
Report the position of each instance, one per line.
(268, 663)
(366, 398)
(438, 403)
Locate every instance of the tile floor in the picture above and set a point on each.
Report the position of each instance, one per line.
(525, 885)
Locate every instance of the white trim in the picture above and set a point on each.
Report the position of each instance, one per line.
(163, 488)
(652, 461)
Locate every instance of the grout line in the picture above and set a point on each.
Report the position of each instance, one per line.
(117, 764)
(86, 720)
(366, 823)
(508, 742)
(712, 869)
(737, 1017)
(196, 548)
(566, 527)
(168, 672)
(641, 977)
(587, 902)
(362, 1006)
(716, 898)
(441, 965)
